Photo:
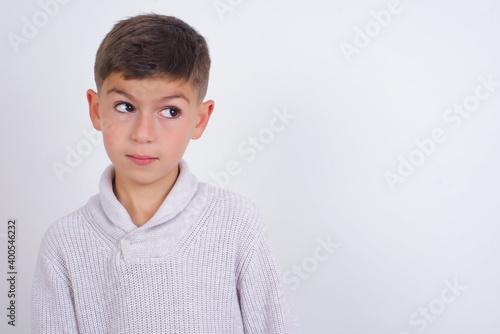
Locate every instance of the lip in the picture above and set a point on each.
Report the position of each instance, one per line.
(141, 160)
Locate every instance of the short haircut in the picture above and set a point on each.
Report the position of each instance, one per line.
(154, 46)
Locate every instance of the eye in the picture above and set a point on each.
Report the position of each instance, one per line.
(124, 107)
(170, 112)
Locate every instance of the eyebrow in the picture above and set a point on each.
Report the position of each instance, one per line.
(164, 98)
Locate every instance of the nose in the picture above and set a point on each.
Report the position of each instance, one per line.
(144, 128)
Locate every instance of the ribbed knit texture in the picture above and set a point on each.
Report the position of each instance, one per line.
(202, 264)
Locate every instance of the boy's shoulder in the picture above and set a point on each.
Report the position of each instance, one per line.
(230, 211)
(230, 196)
(67, 227)
(232, 205)
(235, 216)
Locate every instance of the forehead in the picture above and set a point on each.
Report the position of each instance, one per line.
(148, 88)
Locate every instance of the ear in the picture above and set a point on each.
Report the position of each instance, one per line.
(204, 114)
(93, 99)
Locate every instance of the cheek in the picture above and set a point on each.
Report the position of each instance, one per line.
(175, 139)
(111, 134)
(176, 131)
(108, 125)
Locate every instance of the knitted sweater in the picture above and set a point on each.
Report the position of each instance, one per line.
(202, 264)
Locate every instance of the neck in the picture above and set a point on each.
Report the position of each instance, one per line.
(142, 200)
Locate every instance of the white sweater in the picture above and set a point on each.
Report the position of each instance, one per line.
(202, 264)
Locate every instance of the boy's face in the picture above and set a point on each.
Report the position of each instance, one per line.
(147, 125)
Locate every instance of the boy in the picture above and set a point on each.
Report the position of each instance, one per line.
(156, 251)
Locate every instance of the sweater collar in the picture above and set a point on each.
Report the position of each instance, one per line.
(178, 198)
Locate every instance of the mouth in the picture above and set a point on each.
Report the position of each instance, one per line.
(141, 160)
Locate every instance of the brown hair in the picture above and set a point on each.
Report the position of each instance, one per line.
(152, 45)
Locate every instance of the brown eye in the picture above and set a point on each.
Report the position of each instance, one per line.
(170, 112)
(124, 107)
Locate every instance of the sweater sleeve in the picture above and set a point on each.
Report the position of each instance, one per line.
(52, 302)
(264, 301)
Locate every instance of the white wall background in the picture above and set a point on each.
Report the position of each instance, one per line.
(323, 176)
